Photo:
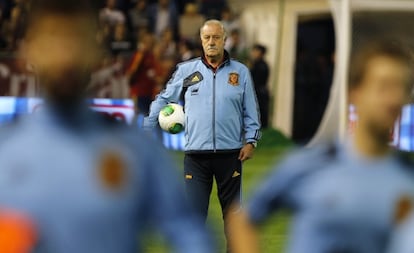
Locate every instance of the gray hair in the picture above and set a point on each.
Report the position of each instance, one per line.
(214, 22)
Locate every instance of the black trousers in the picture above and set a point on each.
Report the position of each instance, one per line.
(199, 171)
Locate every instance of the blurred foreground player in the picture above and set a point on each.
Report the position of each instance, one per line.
(344, 197)
(71, 181)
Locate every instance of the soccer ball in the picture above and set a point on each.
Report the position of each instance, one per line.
(172, 119)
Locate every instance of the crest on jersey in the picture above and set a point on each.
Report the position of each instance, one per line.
(233, 79)
(403, 208)
(112, 170)
(17, 232)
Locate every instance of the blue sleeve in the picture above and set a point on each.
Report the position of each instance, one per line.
(170, 212)
(251, 118)
(276, 192)
(171, 94)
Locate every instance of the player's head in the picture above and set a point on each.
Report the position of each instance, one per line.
(380, 82)
(213, 37)
(62, 47)
(258, 52)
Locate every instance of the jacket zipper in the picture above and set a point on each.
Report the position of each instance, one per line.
(214, 105)
(214, 112)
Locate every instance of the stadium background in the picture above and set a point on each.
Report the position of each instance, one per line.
(308, 44)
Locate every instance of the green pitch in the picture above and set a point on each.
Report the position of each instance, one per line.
(273, 234)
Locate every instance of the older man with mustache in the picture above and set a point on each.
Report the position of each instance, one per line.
(222, 119)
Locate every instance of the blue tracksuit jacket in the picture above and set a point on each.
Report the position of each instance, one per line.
(220, 105)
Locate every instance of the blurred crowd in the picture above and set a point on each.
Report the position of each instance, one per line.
(164, 31)
(143, 40)
(125, 20)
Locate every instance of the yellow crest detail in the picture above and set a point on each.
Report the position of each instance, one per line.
(195, 79)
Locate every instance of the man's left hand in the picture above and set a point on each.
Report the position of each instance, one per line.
(246, 152)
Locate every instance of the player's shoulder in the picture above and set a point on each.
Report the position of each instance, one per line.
(238, 67)
(108, 121)
(308, 160)
(130, 135)
(236, 63)
(135, 138)
(189, 63)
(317, 153)
(189, 67)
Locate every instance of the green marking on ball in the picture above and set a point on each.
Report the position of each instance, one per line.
(176, 128)
(167, 110)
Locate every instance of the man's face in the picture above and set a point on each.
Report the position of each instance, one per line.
(62, 52)
(212, 40)
(255, 54)
(382, 93)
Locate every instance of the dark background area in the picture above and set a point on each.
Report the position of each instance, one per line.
(313, 75)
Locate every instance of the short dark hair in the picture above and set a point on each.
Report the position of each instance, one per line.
(68, 7)
(261, 48)
(75, 10)
(363, 55)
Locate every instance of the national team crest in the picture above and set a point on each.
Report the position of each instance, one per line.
(112, 170)
(403, 208)
(234, 79)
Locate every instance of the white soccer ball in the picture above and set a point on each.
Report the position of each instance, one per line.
(172, 119)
